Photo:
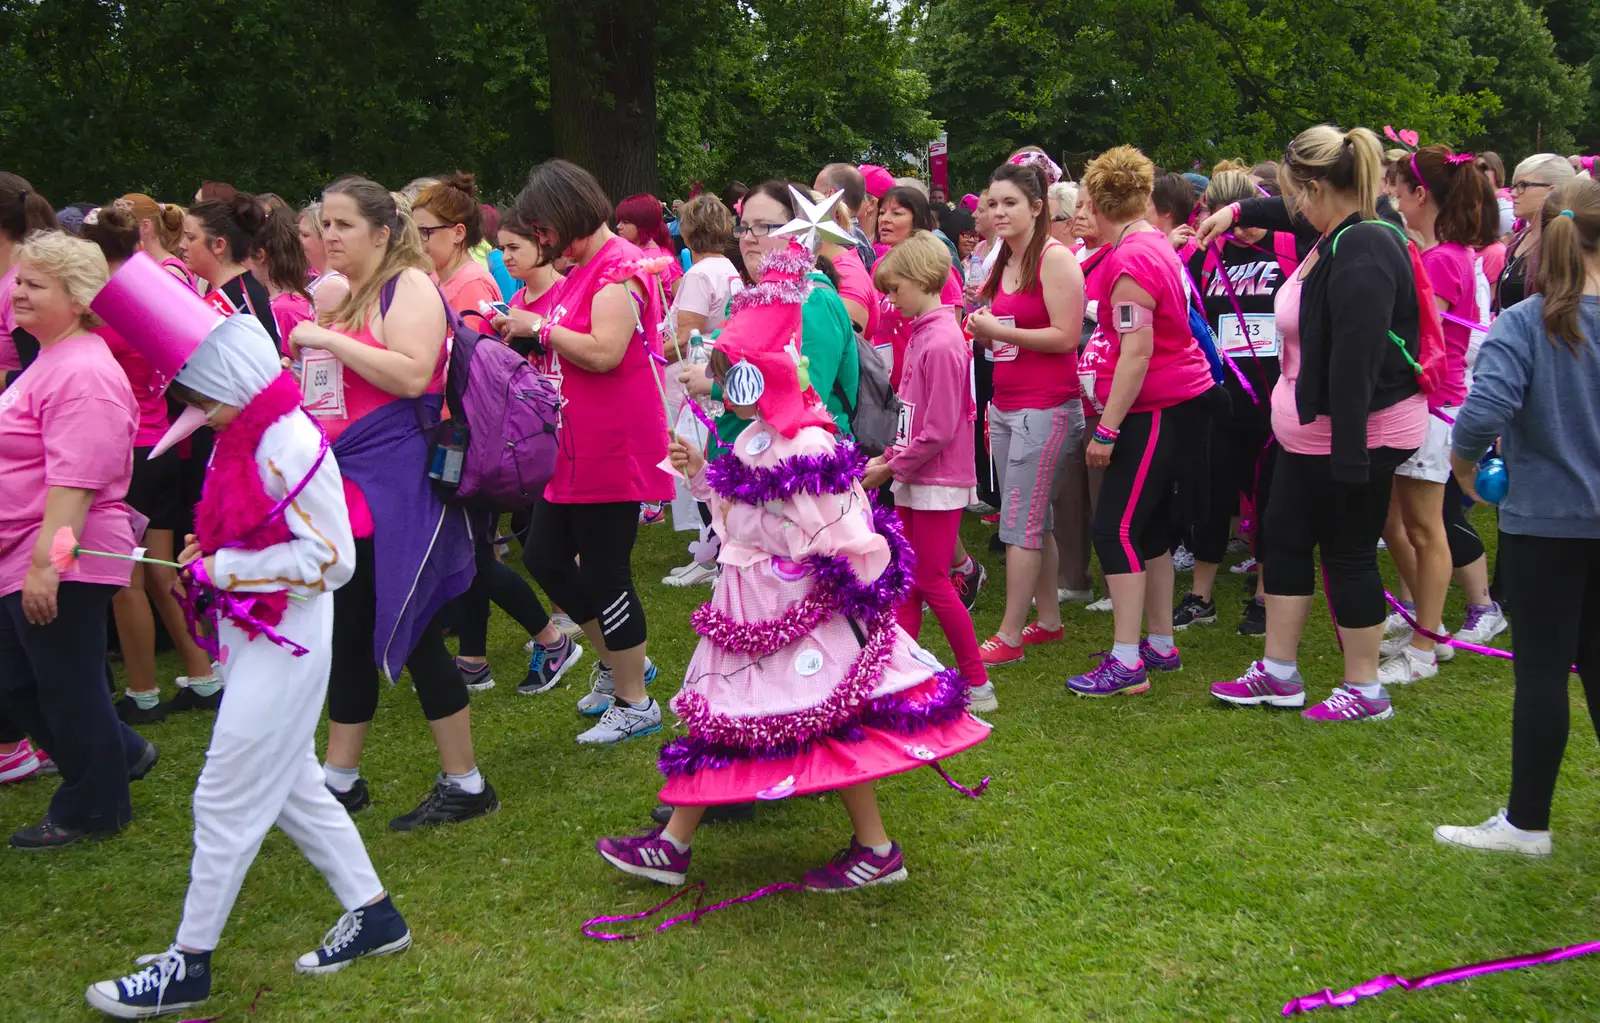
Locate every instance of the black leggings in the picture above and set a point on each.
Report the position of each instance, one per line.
(1465, 544)
(1555, 586)
(582, 556)
(1135, 518)
(500, 583)
(1309, 510)
(1238, 460)
(353, 682)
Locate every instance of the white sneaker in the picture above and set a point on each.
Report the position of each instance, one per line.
(1103, 604)
(1182, 560)
(1408, 666)
(1483, 624)
(1396, 623)
(982, 698)
(693, 575)
(603, 688)
(620, 723)
(1495, 835)
(1066, 596)
(1243, 567)
(1392, 646)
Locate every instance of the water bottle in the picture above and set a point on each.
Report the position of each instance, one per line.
(1493, 482)
(698, 355)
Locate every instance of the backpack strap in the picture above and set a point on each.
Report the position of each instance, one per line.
(1405, 240)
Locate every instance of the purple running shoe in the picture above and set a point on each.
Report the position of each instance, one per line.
(1111, 678)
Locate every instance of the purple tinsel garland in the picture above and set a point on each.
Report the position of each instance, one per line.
(832, 473)
(894, 712)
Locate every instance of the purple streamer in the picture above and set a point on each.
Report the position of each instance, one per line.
(204, 603)
(1233, 299)
(972, 793)
(831, 473)
(1379, 984)
(693, 916)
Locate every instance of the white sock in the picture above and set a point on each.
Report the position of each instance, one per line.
(1163, 644)
(1425, 656)
(680, 846)
(340, 779)
(645, 706)
(881, 850)
(145, 701)
(966, 566)
(1283, 671)
(1371, 690)
(1127, 653)
(471, 783)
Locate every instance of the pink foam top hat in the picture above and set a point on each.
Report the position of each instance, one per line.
(157, 314)
(764, 332)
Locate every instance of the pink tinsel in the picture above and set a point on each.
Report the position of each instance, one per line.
(762, 638)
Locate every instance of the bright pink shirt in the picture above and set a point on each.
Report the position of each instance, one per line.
(894, 330)
(541, 305)
(9, 359)
(69, 421)
(855, 283)
(1178, 369)
(152, 400)
(1024, 378)
(1401, 425)
(1449, 268)
(468, 286)
(290, 309)
(613, 430)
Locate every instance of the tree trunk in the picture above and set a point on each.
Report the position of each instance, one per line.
(602, 57)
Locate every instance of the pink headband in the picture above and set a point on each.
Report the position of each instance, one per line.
(1417, 172)
(1052, 172)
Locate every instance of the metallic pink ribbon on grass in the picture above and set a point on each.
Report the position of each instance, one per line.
(1448, 640)
(693, 916)
(1380, 984)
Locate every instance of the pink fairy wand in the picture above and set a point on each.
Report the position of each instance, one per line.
(65, 552)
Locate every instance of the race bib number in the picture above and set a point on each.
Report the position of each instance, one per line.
(1003, 351)
(322, 385)
(1260, 341)
(902, 427)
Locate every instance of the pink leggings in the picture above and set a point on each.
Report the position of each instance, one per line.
(932, 535)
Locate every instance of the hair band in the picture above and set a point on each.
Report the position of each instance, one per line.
(1568, 213)
(1421, 181)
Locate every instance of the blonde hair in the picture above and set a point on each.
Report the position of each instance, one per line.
(1552, 168)
(1348, 161)
(1235, 164)
(78, 264)
(921, 259)
(379, 208)
(167, 217)
(705, 224)
(1119, 182)
(1065, 193)
(1569, 235)
(1229, 184)
(312, 210)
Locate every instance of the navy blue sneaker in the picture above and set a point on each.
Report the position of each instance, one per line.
(171, 981)
(375, 930)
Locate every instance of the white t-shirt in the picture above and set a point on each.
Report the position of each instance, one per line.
(705, 289)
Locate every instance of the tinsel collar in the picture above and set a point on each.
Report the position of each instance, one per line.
(831, 473)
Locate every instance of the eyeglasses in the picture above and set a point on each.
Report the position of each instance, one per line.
(427, 232)
(759, 229)
(1519, 187)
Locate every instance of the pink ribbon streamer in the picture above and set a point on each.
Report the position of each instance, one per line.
(693, 916)
(1378, 985)
(1244, 326)
(203, 602)
(1448, 640)
(972, 793)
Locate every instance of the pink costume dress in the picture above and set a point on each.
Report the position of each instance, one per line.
(802, 681)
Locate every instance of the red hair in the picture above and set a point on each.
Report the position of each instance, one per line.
(644, 212)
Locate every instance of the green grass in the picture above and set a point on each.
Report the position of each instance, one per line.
(1152, 858)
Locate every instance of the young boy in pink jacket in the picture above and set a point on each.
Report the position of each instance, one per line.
(931, 459)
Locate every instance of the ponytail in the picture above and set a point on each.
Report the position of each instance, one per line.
(237, 220)
(1348, 161)
(1030, 180)
(280, 254)
(22, 210)
(1468, 214)
(1569, 236)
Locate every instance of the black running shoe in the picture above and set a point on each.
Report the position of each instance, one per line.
(47, 834)
(969, 584)
(1255, 618)
(188, 699)
(448, 803)
(476, 677)
(131, 713)
(1192, 610)
(147, 760)
(358, 798)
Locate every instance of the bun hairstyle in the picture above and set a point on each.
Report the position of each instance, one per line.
(236, 220)
(165, 216)
(1234, 164)
(22, 210)
(402, 249)
(1569, 237)
(454, 200)
(1468, 211)
(278, 251)
(1119, 182)
(1348, 161)
(115, 229)
(1031, 181)
(644, 212)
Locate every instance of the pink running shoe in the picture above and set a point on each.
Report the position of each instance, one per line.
(646, 855)
(1347, 704)
(1257, 686)
(856, 867)
(20, 764)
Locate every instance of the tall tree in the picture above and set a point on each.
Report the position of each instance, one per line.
(603, 88)
(1542, 99)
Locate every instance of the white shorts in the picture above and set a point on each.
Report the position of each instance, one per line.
(1432, 461)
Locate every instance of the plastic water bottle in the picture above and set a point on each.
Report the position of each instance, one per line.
(1493, 482)
(699, 354)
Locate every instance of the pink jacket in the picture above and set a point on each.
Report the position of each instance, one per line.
(934, 447)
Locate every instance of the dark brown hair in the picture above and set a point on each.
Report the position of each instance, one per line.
(1030, 180)
(236, 220)
(454, 200)
(563, 198)
(278, 251)
(22, 210)
(1468, 211)
(115, 230)
(1569, 235)
(778, 191)
(1172, 195)
(908, 198)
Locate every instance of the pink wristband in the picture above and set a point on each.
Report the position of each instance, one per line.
(1233, 207)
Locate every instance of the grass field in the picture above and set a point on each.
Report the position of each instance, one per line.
(1152, 858)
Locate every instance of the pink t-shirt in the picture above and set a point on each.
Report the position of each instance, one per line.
(541, 305)
(68, 422)
(855, 283)
(152, 400)
(289, 310)
(468, 286)
(706, 289)
(1178, 369)
(9, 359)
(1024, 378)
(1449, 268)
(894, 330)
(1401, 425)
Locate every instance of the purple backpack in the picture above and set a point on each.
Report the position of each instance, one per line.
(498, 448)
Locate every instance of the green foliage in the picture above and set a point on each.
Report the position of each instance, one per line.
(1542, 99)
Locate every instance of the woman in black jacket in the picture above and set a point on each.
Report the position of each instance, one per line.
(1346, 412)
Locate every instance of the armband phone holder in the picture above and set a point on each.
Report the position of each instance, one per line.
(1128, 317)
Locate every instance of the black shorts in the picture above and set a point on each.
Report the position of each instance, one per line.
(156, 491)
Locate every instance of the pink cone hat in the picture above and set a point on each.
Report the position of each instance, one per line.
(157, 314)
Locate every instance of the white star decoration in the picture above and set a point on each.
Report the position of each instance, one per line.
(815, 219)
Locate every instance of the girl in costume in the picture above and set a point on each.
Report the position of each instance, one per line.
(273, 542)
(802, 682)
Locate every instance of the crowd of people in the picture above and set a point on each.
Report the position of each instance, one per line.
(241, 403)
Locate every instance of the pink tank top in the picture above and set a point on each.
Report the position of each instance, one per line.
(1024, 378)
(183, 270)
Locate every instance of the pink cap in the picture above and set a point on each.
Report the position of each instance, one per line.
(970, 201)
(157, 314)
(877, 178)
